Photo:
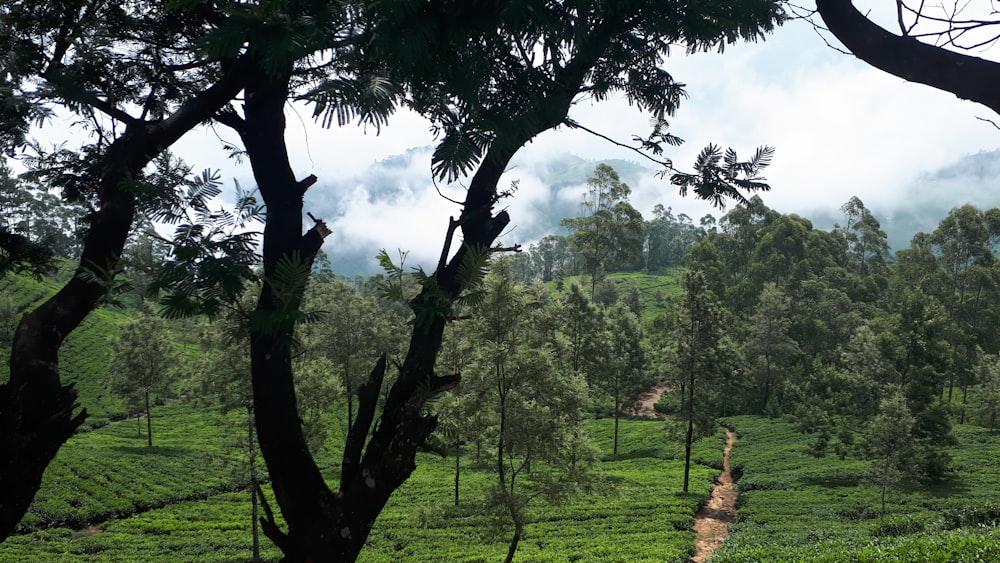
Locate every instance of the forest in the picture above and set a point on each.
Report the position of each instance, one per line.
(878, 367)
(187, 378)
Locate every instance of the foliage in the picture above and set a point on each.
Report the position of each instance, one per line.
(210, 257)
(143, 364)
(721, 176)
(669, 237)
(768, 347)
(530, 409)
(889, 443)
(609, 236)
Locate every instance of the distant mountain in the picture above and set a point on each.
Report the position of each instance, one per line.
(974, 179)
(358, 207)
(369, 211)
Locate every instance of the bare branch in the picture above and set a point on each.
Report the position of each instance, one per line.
(990, 121)
(576, 125)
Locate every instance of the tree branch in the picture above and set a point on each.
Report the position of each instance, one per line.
(968, 77)
(367, 404)
(576, 125)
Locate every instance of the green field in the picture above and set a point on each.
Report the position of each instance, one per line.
(795, 507)
(108, 498)
(655, 291)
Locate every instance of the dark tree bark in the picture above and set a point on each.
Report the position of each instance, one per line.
(299, 487)
(36, 410)
(323, 525)
(969, 78)
(149, 422)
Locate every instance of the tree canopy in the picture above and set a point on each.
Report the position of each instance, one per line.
(139, 76)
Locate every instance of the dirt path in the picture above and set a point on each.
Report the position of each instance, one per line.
(644, 407)
(714, 518)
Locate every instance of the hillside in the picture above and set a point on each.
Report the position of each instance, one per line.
(83, 358)
(107, 497)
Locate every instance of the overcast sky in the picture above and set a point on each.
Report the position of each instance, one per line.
(841, 128)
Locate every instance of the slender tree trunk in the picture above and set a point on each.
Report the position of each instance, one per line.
(254, 485)
(965, 400)
(149, 422)
(689, 436)
(138, 424)
(458, 467)
(618, 410)
(516, 539)
(885, 485)
(350, 403)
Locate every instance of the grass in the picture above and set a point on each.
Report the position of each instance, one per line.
(109, 498)
(656, 291)
(83, 358)
(110, 473)
(795, 507)
(152, 510)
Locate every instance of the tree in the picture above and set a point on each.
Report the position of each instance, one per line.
(989, 390)
(921, 358)
(533, 409)
(354, 332)
(768, 346)
(136, 77)
(143, 363)
(668, 238)
(224, 372)
(609, 236)
(867, 242)
(889, 444)
(618, 366)
(579, 316)
(33, 218)
(484, 117)
(697, 356)
(906, 56)
(553, 257)
(963, 244)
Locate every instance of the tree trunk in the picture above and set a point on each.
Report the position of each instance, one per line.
(254, 485)
(458, 467)
(36, 410)
(149, 422)
(968, 77)
(512, 548)
(617, 415)
(689, 436)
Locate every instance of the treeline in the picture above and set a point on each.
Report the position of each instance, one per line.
(876, 355)
(611, 236)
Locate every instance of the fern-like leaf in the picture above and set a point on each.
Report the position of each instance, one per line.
(456, 155)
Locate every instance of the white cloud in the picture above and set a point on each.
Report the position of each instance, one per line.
(841, 128)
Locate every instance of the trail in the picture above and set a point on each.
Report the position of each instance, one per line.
(644, 406)
(714, 518)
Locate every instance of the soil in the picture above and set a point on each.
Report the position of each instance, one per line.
(644, 406)
(714, 518)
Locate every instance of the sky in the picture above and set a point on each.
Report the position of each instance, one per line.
(840, 127)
